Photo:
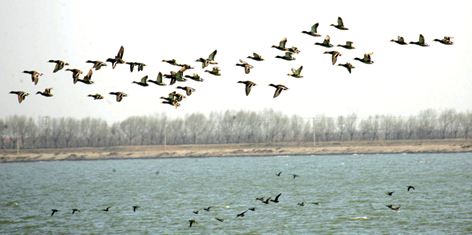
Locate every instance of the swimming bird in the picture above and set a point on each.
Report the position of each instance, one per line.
(53, 211)
(301, 204)
(278, 89)
(47, 92)
(252, 208)
(241, 214)
(135, 207)
(195, 77)
(390, 193)
(295, 176)
(34, 75)
(247, 67)
(366, 59)
(192, 222)
(278, 174)
(313, 31)
(210, 60)
(96, 96)
(410, 187)
(158, 80)
(249, 85)
(394, 208)
(287, 56)
(59, 64)
(446, 40)
(400, 41)
(420, 42)
(74, 210)
(119, 95)
(208, 208)
(296, 73)
(87, 78)
(340, 24)
(215, 71)
(256, 57)
(143, 81)
(281, 45)
(348, 66)
(325, 43)
(276, 200)
(21, 95)
(107, 209)
(187, 89)
(221, 220)
(334, 56)
(75, 74)
(348, 45)
(118, 58)
(97, 65)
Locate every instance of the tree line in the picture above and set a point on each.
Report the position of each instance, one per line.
(229, 126)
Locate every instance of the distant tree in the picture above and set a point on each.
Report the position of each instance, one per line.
(445, 120)
(196, 124)
(341, 125)
(410, 127)
(365, 127)
(427, 123)
(351, 123)
(387, 124)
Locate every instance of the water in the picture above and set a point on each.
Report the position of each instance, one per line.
(351, 191)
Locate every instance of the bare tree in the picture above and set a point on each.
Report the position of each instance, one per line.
(365, 126)
(351, 123)
(196, 124)
(427, 123)
(341, 125)
(387, 124)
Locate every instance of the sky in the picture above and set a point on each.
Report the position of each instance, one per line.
(402, 81)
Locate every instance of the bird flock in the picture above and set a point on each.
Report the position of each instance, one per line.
(263, 200)
(175, 98)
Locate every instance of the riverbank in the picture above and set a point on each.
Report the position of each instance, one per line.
(235, 150)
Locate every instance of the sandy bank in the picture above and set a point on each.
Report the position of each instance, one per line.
(216, 150)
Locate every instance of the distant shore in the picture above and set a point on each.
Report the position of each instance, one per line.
(238, 150)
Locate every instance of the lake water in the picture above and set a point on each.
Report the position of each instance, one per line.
(351, 192)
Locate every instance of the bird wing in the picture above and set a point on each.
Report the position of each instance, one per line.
(314, 28)
(299, 70)
(257, 56)
(159, 77)
(282, 43)
(144, 79)
(421, 39)
(340, 21)
(401, 39)
(277, 91)
(348, 43)
(288, 55)
(211, 57)
(88, 77)
(121, 52)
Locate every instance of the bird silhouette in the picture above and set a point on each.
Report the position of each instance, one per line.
(241, 214)
(340, 24)
(53, 211)
(118, 58)
(21, 95)
(276, 200)
(313, 32)
(278, 89)
(59, 64)
(281, 45)
(249, 85)
(135, 207)
(410, 187)
(75, 210)
(34, 75)
(278, 174)
(107, 209)
(192, 222)
(390, 193)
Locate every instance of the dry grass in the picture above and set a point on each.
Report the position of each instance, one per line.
(157, 151)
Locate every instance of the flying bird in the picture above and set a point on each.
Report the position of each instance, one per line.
(135, 207)
(296, 73)
(348, 66)
(192, 222)
(75, 74)
(287, 56)
(221, 220)
(278, 174)
(281, 45)
(400, 41)
(294, 49)
(158, 80)
(172, 62)
(347, 46)
(118, 58)
(276, 200)
(97, 65)
(187, 89)
(420, 42)
(247, 67)
(210, 60)
(34, 75)
(96, 96)
(334, 56)
(119, 95)
(21, 95)
(107, 209)
(340, 24)
(143, 81)
(249, 85)
(446, 40)
(241, 214)
(132, 64)
(47, 92)
(390, 193)
(59, 64)
(195, 77)
(278, 89)
(366, 59)
(313, 31)
(75, 210)
(208, 208)
(53, 211)
(215, 71)
(87, 78)
(256, 57)
(325, 42)
(410, 187)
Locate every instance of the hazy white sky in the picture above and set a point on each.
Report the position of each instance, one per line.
(402, 81)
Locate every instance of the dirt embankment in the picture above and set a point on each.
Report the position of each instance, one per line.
(227, 150)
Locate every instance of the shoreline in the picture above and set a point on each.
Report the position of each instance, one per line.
(239, 150)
